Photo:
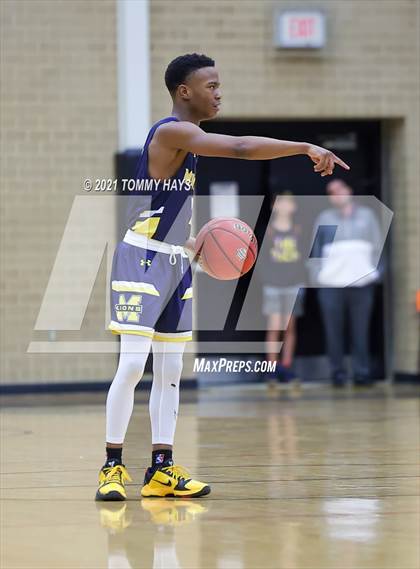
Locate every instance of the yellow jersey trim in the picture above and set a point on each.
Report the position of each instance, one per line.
(159, 338)
(148, 227)
(120, 328)
(131, 286)
(139, 333)
(188, 294)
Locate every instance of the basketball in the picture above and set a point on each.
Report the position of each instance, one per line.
(227, 248)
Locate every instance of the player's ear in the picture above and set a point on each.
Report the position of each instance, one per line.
(184, 92)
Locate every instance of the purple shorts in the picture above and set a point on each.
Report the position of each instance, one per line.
(151, 293)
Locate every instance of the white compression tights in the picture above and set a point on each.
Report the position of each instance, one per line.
(164, 397)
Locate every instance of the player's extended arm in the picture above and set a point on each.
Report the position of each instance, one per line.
(188, 136)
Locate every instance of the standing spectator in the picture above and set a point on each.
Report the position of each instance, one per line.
(348, 238)
(283, 275)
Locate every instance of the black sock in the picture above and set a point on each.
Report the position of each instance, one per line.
(160, 456)
(113, 455)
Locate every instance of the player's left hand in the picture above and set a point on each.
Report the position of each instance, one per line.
(190, 244)
(325, 160)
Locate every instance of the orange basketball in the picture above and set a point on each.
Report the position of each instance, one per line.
(227, 247)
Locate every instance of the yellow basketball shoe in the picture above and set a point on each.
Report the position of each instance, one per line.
(112, 483)
(171, 480)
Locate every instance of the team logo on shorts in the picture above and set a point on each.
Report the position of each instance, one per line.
(129, 310)
(147, 262)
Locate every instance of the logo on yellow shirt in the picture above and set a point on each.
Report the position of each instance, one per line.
(285, 250)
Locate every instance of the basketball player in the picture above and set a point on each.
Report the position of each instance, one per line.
(151, 294)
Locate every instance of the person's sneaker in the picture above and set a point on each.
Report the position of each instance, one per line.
(285, 375)
(112, 479)
(339, 379)
(172, 480)
(362, 380)
(282, 376)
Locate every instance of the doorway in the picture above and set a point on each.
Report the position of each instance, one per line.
(356, 142)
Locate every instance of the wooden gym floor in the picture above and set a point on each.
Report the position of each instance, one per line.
(315, 479)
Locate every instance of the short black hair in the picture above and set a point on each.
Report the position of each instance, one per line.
(179, 69)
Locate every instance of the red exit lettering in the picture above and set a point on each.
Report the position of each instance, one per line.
(301, 27)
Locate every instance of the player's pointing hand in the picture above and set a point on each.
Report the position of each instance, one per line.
(325, 160)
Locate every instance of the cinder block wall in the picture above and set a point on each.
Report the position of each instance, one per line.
(368, 70)
(59, 126)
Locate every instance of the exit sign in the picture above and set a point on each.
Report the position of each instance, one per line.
(300, 30)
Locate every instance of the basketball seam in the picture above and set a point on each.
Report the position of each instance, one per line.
(239, 237)
(224, 254)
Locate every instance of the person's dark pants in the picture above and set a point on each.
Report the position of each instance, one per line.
(354, 303)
